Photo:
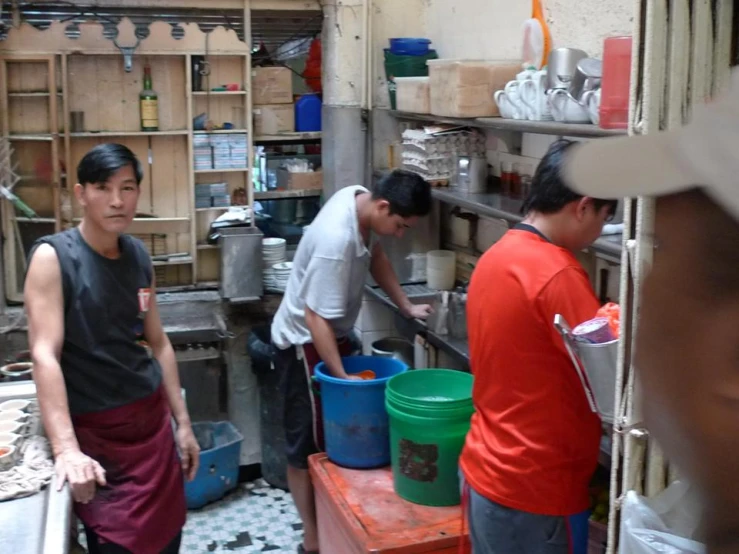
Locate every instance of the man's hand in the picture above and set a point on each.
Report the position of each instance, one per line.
(419, 311)
(190, 451)
(82, 472)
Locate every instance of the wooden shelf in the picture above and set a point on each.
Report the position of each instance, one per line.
(31, 94)
(205, 246)
(219, 93)
(92, 134)
(46, 220)
(280, 194)
(184, 260)
(221, 132)
(237, 170)
(288, 137)
(41, 137)
(216, 209)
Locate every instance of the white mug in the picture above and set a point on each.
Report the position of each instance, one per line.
(512, 91)
(566, 109)
(591, 100)
(533, 94)
(506, 109)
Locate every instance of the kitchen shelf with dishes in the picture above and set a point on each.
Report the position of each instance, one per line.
(580, 130)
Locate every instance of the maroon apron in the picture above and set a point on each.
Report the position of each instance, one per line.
(142, 507)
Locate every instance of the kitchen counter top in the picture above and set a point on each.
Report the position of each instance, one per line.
(38, 524)
(458, 348)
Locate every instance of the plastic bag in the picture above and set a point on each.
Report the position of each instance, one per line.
(612, 312)
(665, 524)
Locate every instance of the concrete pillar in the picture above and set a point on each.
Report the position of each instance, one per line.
(344, 131)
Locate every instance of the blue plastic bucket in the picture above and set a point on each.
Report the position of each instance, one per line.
(409, 46)
(356, 429)
(308, 114)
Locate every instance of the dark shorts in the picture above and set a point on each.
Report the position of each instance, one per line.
(496, 529)
(303, 415)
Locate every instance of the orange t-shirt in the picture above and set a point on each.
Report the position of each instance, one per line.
(534, 441)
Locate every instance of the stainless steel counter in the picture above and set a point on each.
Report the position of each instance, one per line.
(38, 524)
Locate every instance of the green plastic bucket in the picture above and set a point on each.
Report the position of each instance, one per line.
(427, 433)
(405, 66)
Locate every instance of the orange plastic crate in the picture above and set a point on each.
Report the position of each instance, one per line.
(359, 513)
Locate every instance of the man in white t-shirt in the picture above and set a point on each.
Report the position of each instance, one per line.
(322, 302)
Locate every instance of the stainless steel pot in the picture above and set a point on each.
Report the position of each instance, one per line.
(562, 65)
(394, 347)
(587, 77)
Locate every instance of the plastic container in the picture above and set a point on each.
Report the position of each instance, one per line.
(409, 46)
(616, 83)
(597, 537)
(412, 94)
(355, 423)
(430, 413)
(465, 88)
(441, 269)
(220, 447)
(308, 113)
(405, 66)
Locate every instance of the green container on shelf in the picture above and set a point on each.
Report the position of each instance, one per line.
(429, 412)
(405, 66)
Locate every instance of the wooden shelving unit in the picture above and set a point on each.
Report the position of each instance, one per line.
(34, 63)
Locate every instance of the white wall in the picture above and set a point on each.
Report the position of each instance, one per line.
(492, 28)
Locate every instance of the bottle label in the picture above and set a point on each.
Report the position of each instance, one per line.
(149, 113)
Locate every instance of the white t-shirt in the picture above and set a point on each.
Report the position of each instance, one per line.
(329, 273)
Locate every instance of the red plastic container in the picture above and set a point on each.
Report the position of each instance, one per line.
(359, 513)
(615, 84)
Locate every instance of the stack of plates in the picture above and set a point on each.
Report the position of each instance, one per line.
(282, 275)
(274, 251)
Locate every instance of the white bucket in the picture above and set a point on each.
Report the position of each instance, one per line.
(441, 266)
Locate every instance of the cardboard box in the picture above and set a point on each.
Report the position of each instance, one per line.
(273, 119)
(312, 180)
(272, 85)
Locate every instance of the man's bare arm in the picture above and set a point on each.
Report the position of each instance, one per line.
(44, 302)
(164, 353)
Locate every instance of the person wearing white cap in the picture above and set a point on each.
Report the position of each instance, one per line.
(688, 337)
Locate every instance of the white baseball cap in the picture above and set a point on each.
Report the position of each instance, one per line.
(703, 154)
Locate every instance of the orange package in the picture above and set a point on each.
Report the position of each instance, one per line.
(612, 312)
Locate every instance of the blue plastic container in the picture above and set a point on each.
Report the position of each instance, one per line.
(308, 114)
(220, 448)
(355, 424)
(409, 46)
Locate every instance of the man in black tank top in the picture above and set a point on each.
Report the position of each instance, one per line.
(105, 371)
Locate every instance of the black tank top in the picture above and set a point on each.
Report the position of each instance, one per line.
(105, 361)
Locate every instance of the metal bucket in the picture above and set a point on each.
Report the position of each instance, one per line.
(394, 347)
(599, 362)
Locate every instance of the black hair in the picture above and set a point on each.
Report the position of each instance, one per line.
(407, 193)
(549, 194)
(100, 163)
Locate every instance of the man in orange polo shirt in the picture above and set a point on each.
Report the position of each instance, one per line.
(534, 441)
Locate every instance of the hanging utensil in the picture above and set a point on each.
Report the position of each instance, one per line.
(564, 329)
(537, 39)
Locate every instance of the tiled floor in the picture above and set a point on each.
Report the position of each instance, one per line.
(253, 518)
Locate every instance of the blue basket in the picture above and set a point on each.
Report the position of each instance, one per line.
(409, 46)
(355, 423)
(220, 444)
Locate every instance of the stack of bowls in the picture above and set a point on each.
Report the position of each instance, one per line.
(274, 251)
(281, 275)
(14, 420)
